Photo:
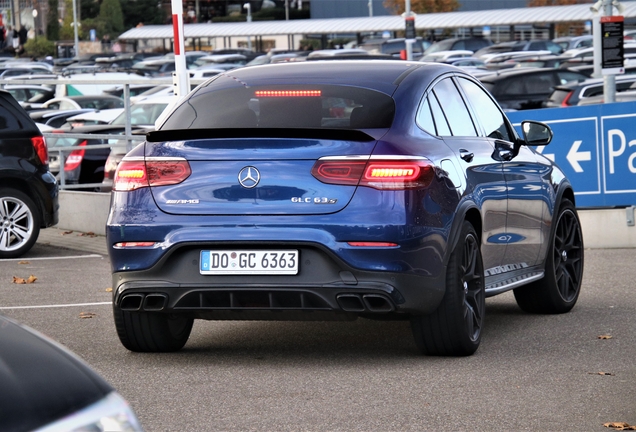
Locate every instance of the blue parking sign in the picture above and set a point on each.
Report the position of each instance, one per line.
(595, 146)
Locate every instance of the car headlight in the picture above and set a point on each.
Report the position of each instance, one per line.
(111, 414)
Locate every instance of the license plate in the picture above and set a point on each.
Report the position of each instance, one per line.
(240, 262)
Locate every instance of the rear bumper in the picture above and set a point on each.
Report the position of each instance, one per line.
(325, 288)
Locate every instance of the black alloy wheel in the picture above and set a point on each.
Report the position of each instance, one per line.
(559, 290)
(455, 328)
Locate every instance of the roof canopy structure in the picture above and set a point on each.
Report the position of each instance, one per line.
(447, 20)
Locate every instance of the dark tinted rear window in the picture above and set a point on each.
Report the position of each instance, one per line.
(316, 106)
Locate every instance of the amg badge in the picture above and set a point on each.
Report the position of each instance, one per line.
(315, 200)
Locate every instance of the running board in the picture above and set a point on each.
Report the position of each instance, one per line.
(499, 286)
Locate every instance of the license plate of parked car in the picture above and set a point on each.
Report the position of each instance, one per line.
(237, 262)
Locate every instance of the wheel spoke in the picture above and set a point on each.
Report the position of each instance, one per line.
(19, 213)
(20, 233)
(5, 240)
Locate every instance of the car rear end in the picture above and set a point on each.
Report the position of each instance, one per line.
(274, 201)
(24, 165)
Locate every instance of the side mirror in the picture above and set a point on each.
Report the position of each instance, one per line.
(536, 133)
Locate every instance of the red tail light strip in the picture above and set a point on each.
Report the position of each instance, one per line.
(379, 172)
(139, 172)
(288, 93)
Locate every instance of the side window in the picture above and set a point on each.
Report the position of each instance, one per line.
(65, 106)
(487, 112)
(540, 83)
(566, 77)
(424, 117)
(438, 115)
(8, 120)
(454, 108)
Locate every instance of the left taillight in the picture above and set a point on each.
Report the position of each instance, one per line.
(39, 145)
(376, 173)
(138, 173)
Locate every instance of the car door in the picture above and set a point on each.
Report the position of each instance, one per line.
(483, 175)
(526, 182)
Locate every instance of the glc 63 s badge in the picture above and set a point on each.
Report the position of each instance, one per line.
(315, 200)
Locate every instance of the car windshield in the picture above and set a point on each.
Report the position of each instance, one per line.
(278, 106)
(142, 114)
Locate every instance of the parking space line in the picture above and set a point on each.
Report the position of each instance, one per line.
(56, 306)
(52, 258)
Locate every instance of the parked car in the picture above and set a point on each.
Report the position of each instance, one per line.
(28, 191)
(45, 387)
(95, 102)
(145, 112)
(155, 68)
(526, 88)
(513, 46)
(82, 165)
(337, 190)
(574, 42)
(30, 94)
(395, 47)
(573, 93)
(470, 44)
(56, 118)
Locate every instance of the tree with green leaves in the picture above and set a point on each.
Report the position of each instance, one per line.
(422, 6)
(53, 25)
(142, 11)
(112, 18)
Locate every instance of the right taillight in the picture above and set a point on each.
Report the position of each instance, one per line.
(376, 173)
(75, 158)
(138, 173)
(566, 100)
(39, 145)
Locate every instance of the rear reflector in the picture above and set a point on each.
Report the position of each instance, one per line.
(372, 244)
(135, 174)
(378, 174)
(134, 244)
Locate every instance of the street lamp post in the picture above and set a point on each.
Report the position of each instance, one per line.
(75, 24)
(248, 7)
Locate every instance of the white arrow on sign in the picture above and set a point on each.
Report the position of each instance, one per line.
(575, 156)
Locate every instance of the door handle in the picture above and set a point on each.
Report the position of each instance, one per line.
(466, 155)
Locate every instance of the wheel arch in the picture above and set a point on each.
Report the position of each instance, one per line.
(468, 211)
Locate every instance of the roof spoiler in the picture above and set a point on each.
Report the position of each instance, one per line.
(193, 134)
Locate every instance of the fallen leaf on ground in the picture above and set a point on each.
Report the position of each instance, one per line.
(85, 315)
(604, 337)
(24, 262)
(109, 289)
(619, 426)
(67, 232)
(601, 373)
(29, 280)
(88, 234)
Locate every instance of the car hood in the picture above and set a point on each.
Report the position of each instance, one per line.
(41, 381)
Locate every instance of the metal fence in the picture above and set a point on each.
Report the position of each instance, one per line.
(127, 136)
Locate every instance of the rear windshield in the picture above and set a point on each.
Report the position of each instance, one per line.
(316, 106)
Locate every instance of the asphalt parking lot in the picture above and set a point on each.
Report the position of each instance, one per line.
(532, 372)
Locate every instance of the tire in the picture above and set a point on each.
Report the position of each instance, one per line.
(559, 290)
(19, 223)
(152, 331)
(455, 328)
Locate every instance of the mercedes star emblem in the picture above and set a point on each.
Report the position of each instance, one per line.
(249, 177)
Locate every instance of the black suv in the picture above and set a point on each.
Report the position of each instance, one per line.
(28, 191)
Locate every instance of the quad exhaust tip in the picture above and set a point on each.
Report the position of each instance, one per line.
(147, 302)
(365, 303)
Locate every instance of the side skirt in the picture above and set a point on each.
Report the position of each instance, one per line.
(500, 283)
